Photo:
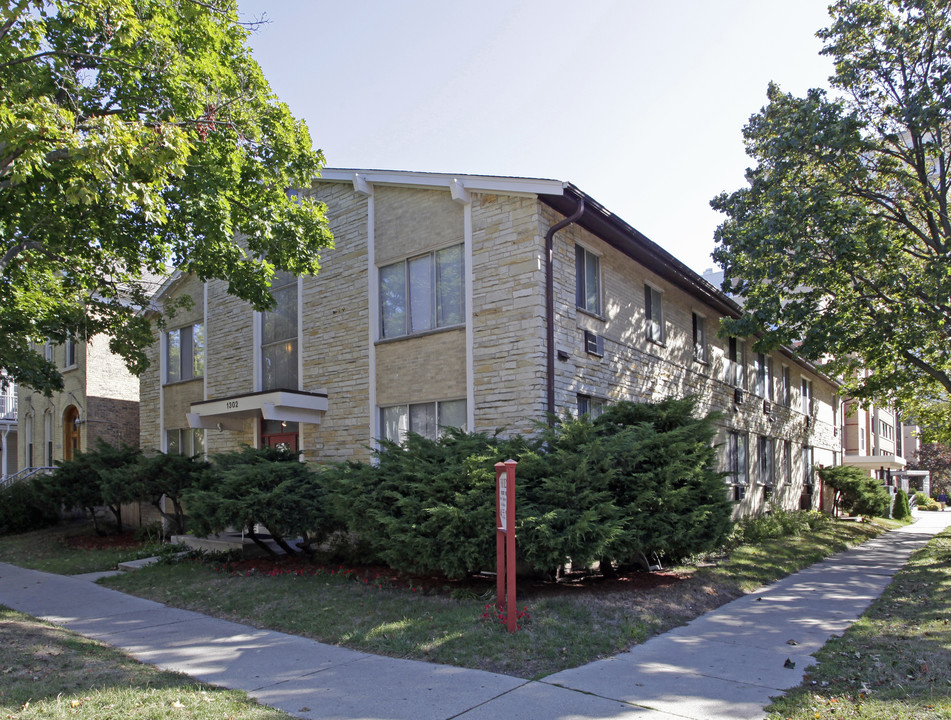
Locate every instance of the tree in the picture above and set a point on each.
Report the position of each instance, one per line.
(842, 239)
(137, 135)
(856, 492)
(936, 458)
(165, 476)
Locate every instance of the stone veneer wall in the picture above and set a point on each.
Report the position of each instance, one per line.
(508, 313)
(336, 330)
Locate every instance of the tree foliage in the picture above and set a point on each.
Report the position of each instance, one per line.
(936, 458)
(856, 493)
(167, 476)
(136, 135)
(266, 486)
(901, 509)
(842, 238)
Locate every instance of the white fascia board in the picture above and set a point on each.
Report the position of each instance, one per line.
(271, 405)
(472, 183)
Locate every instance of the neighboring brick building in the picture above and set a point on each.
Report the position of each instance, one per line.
(433, 310)
(99, 400)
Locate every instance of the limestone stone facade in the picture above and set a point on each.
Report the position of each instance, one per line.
(99, 401)
(480, 356)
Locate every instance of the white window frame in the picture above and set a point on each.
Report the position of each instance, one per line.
(584, 259)
(279, 283)
(185, 439)
(786, 398)
(655, 330)
(737, 458)
(701, 351)
(405, 415)
(187, 345)
(736, 363)
(433, 322)
(590, 405)
(766, 462)
(71, 354)
(805, 395)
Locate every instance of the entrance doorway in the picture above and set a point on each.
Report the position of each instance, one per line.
(282, 434)
(71, 437)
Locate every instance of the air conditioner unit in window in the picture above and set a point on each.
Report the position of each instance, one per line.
(767, 407)
(738, 396)
(593, 343)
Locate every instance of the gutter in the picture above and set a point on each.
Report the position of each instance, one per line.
(550, 305)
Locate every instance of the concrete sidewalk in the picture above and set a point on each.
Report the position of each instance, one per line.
(725, 664)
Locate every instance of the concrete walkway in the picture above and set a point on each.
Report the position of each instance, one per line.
(725, 664)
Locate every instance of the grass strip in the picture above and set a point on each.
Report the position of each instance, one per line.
(561, 630)
(48, 550)
(894, 663)
(50, 673)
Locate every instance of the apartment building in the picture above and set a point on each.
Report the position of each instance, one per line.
(8, 431)
(99, 400)
(482, 303)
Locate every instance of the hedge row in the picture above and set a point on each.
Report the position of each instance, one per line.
(635, 484)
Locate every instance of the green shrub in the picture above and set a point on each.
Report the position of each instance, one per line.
(636, 482)
(924, 502)
(167, 476)
(23, 508)
(428, 505)
(776, 523)
(267, 486)
(900, 507)
(98, 478)
(856, 493)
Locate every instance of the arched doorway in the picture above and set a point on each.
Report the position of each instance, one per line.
(71, 439)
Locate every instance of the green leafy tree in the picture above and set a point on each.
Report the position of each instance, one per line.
(936, 458)
(842, 239)
(136, 135)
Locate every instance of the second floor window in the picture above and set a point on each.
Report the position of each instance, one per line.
(70, 352)
(587, 280)
(787, 387)
(699, 338)
(279, 335)
(422, 293)
(806, 394)
(736, 364)
(185, 353)
(654, 310)
(764, 376)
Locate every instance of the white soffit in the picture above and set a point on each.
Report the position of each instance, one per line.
(471, 183)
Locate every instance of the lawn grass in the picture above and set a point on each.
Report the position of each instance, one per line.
(50, 673)
(895, 662)
(47, 550)
(563, 629)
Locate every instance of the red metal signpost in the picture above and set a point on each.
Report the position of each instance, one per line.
(505, 541)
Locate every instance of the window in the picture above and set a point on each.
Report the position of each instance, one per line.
(787, 387)
(279, 335)
(736, 364)
(48, 351)
(70, 352)
(787, 461)
(736, 467)
(593, 343)
(764, 376)
(185, 353)
(807, 466)
(185, 441)
(422, 293)
(29, 441)
(424, 419)
(590, 406)
(699, 338)
(766, 460)
(48, 437)
(806, 396)
(587, 280)
(654, 310)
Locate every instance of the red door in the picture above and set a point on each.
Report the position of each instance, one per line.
(288, 441)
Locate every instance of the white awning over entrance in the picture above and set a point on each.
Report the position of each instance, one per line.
(875, 462)
(230, 413)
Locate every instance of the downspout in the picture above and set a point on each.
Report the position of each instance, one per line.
(550, 303)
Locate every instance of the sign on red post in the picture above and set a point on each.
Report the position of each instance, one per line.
(505, 541)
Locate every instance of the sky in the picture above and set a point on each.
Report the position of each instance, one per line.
(639, 103)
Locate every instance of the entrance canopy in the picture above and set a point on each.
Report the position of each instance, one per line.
(875, 462)
(285, 405)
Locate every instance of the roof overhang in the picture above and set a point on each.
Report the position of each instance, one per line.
(230, 413)
(875, 462)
